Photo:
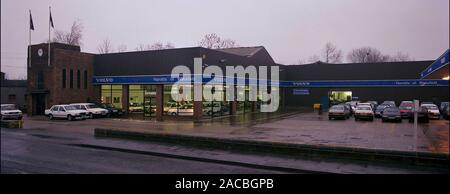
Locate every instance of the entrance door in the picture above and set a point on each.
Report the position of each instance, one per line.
(38, 104)
(337, 97)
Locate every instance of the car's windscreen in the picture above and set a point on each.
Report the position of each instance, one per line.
(431, 107)
(8, 107)
(70, 108)
(391, 110)
(408, 107)
(363, 108)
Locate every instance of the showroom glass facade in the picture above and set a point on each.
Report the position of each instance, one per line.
(142, 100)
(112, 94)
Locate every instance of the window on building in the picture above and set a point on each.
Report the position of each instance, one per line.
(85, 79)
(40, 80)
(12, 98)
(64, 78)
(78, 79)
(71, 78)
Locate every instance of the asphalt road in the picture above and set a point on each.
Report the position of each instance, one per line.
(23, 153)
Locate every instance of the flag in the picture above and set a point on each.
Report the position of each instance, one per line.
(31, 22)
(51, 20)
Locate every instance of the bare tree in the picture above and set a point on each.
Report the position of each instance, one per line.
(105, 47)
(400, 57)
(314, 59)
(73, 37)
(155, 46)
(367, 55)
(331, 54)
(213, 41)
(122, 48)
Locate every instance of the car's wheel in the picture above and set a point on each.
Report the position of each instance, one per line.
(174, 114)
(50, 116)
(329, 118)
(70, 117)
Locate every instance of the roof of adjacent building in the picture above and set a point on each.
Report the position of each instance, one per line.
(356, 71)
(159, 62)
(14, 83)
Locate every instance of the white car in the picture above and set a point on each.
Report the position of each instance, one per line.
(183, 110)
(433, 111)
(207, 109)
(65, 111)
(92, 109)
(364, 112)
(9, 111)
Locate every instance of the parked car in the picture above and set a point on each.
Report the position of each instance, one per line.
(183, 110)
(339, 112)
(391, 113)
(422, 115)
(66, 111)
(348, 106)
(443, 105)
(405, 108)
(392, 103)
(446, 112)
(10, 111)
(374, 103)
(91, 108)
(353, 105)
(112, 110)
(364, 112)
(380, 109)
(210, 107)
(367, 104)
(433, 111)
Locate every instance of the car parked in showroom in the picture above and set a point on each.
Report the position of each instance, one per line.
(65, 111)
(183, 110)
(364, 112)
(391, 114)
(433, 111)
(339, 112)
(422, 115)
(405, 108)
(112, 110)
(92, 109)
(10, 111)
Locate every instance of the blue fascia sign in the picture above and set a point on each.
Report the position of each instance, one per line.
(167, 79)
(300, 92)
(439, 63)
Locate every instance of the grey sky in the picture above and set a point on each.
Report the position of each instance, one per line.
(291, 30)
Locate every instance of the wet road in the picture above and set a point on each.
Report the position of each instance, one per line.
(22, 153)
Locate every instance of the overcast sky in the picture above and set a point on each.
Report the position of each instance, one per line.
(291, 30)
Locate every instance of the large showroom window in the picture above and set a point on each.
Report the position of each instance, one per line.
(215, 107)
(112, 94)
(174, 108)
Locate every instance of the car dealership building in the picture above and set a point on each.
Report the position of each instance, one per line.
(140, 82)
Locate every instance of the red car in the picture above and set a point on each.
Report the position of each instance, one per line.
(406, 108)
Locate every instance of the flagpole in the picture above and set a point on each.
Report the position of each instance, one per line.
(29, 44)
(50, 13)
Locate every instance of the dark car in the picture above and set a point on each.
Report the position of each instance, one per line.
(112, 110)
(380, 109)
(339, 112)
(443, 105)
(446, 112)
(391, 114)
(392, 103)
(422, 115)
(405, 108)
